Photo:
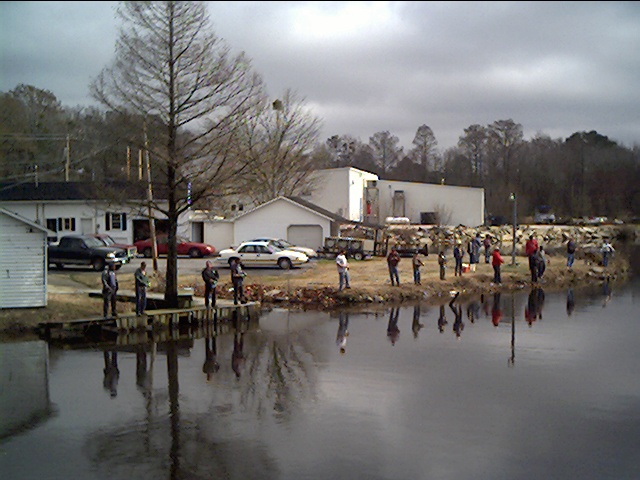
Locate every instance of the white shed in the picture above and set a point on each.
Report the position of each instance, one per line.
(290, 218)
(23, 262)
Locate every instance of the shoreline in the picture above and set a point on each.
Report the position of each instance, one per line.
(315, 287)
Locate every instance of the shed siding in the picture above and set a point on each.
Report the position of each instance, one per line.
(23, 269)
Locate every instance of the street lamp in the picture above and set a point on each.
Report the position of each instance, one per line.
(513, 198)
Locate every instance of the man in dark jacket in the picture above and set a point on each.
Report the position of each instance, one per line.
(210, 277)
(237, 278)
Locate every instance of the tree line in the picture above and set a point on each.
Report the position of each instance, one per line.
(177, 96)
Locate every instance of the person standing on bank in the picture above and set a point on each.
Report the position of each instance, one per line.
(458, 254)
(142, 283)
(417, 263)
(487, 247)
(607, 250)
(442, 262)
(210, 277)
(496, 261)
(571, 252)
(109, 290)
(531, 249)
(474, 252)
(343, 270)
(393, 259)
(237, 279)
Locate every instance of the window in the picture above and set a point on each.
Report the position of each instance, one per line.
(115, 221)
(61, 224)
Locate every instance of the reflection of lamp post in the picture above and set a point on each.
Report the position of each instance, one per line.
(513, 198)
(512, 359)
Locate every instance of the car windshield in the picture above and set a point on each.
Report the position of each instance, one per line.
(285, 244)
(93, 242)
(108, 240)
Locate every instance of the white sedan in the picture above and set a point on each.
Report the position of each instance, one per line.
(262, 254)
(285, 245)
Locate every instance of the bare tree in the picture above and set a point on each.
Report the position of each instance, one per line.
(172, 70)
(424, 148)
(505, 136)
(474, 145)
(277, 144)
(385, 150)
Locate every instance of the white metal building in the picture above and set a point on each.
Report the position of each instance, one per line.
(362, 196)
(23, 262)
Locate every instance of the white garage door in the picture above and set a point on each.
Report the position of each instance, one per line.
(305, 235)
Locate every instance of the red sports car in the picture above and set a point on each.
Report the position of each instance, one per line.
(184, 246)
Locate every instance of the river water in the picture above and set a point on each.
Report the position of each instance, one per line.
(527, 386)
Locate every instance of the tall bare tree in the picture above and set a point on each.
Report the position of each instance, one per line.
(277, 144)
(505, 136)
(474, 145)
(172, 70)
(424, 148)
(385, 150)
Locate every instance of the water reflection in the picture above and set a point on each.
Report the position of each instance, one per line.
(496, 310)
(393, 331)
(535, 302)
(571, 302)
(343, 332)
(298, 402)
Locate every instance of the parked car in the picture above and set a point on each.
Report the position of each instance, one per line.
(108, 240)
(184, 247)
(85, 250)
(262, 254)
(285, 245)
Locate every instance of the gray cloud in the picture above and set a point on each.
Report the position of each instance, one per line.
(363, 67)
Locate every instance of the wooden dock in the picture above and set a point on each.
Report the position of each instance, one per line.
(168, 319)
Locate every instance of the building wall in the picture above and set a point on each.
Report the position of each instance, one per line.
(90, 217)
(456, 205)
(23, 264)
(219, 233)
(273, 220)
(340, 191)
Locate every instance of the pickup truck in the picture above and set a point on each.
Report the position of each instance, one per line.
(85, 250)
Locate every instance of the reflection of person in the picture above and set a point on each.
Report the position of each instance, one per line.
(533, 310)
(458, 254)
(142, 282)
(109, 290)
(237, 279)
(571, 303)
(417, 263)
(210, 277)
(416, 325)
(393, 259)
(458, 324)
(393, 332)
(606, 291)
(571, 252)
(343, 332)
(142, 375)
(496, 310)
(473, 311)
(442, 319)
(343, 270)
(111, 373)
(211, 364)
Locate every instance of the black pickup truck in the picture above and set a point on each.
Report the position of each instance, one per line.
(85, 250)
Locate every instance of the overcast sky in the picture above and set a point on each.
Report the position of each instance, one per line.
(364, 67)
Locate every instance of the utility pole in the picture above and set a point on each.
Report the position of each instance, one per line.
(67, 162)
(152, 224)
(514, 199)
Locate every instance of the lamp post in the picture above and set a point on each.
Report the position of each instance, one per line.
(513, 198)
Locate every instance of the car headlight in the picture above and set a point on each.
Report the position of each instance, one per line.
(111, 255)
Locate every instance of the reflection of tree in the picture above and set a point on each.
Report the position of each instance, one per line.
(185, 446)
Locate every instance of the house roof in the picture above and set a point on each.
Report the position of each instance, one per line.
(51, 191)
(301, 203)
(27, 221)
